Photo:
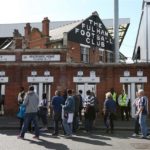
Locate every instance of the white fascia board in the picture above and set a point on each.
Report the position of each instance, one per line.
(40, 79)
(83, 45)
(3, 79)
(86, 79)
(133, 79)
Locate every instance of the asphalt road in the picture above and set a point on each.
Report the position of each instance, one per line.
(98, 140)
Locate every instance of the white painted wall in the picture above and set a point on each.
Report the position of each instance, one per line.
(143, 34)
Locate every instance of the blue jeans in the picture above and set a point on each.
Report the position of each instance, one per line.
(67, 126)
(143, 124)
(30, 117)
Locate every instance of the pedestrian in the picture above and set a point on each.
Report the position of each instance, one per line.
(96, 105)
(143, 113)
(20, 100)
(109, 112)
(57, 102)
(31, 102)
(114, 95)
(2, 100)
(89, 111)
(81, 105)
(123, 103)
(69, 109)
(76, 98)
(43, 112)
(136, 117)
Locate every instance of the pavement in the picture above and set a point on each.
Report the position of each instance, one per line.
(121, 139)
(97, 140)
(12, 122)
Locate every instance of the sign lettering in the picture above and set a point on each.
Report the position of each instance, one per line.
(41, 57)
(92, 32)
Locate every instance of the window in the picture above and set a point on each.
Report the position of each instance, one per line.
(109, 56)
(59, 45)
(101, 55)
(85, 54)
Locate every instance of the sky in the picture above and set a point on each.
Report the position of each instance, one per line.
(18, 11)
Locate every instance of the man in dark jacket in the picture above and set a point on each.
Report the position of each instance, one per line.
(109, 110)
(76, 98)
(57, 101)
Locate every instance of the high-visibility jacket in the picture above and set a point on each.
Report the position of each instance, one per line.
(114, 95)
(123, 100)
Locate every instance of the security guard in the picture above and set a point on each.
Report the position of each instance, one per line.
(114, 94)
(123, 103)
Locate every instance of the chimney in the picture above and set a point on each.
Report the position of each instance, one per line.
(17, 39)
(27, 30)
(45, 26)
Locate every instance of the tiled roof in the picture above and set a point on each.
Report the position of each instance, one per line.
(57, 33)
(6, 30)
(57, 28)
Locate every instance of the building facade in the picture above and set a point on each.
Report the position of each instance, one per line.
(77, 55)
(142, 46)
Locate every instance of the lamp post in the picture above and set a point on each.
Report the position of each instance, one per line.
(2, 73)
(46, 73)
(147, 41)
(116, 28)
(33, 73)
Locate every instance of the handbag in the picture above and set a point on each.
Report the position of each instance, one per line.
(21, 112)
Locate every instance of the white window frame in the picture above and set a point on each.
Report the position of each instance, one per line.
(85, 53)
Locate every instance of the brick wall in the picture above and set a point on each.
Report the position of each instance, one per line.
(63, 78)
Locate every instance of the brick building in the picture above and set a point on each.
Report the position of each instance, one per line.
(77, 55)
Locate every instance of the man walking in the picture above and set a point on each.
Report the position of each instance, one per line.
(31, 103)
(142, 113)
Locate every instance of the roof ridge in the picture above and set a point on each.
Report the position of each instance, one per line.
(74, 21)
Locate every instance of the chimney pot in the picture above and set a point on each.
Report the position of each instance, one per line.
(45, 26)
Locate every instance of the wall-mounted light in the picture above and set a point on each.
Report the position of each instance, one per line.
(80, 73)
(92, 74)
(33, 73)
(126, 73)
(46, 73)
(2, 73)
(139, 73)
